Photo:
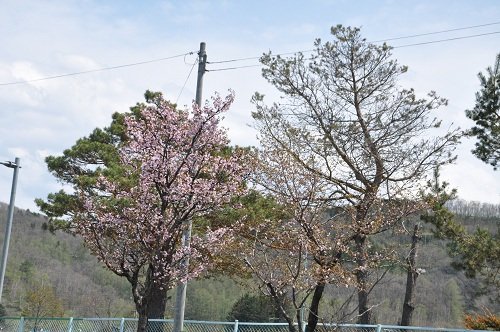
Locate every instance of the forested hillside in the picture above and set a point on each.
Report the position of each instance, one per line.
(58, 269)
(60, 262)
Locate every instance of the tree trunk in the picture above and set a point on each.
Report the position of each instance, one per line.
(157, 302)
(411, 279)
(150, 302)
(151, 307)
(364, 311)
(291, 325)
(156, 307)
(279, 305)
(312, 319)
(142, 324)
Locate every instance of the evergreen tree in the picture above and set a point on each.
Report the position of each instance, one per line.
(486, 114)
(253, 308)
(476, 253)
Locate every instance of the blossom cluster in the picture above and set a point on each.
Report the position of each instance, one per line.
(180, 167)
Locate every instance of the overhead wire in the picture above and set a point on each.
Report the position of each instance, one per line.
(185, 82)
(435, 32)
(96, 70)
(234, 60)
(381, 40)
(394, 47)
(258, 57)
(231, 68)
(185, 55)
(448, 39)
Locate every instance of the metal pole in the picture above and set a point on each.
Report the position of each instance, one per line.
(202, 60)
(70, 324)
(20, 328)
(5, 253)
(180, 301)
(122, 324)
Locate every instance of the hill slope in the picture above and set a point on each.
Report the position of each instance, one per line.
(86, 289)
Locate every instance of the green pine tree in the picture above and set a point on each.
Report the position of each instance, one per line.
(486, 114)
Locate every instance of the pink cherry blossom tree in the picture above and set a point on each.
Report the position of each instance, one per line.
(177, 168)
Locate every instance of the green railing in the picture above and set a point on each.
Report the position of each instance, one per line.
(30, 324)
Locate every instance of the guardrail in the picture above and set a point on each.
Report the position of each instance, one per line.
(31, 324)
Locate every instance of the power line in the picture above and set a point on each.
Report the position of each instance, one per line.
(231, 68)
(435, 32)
(96, 70)
(234, 60)
(256, 57)
(185, 82)
(377, 41)
(400, 46)
(449, 39)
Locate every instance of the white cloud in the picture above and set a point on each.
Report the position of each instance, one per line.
(24, 71)
(77, 62)
(473, 179)
(50, 38)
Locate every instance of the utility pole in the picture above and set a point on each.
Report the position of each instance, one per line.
(15, 165)
(180, 301)
(202, 61)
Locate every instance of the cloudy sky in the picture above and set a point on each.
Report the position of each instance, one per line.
(48, 38)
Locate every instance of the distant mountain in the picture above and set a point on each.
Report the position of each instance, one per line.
(86, 289)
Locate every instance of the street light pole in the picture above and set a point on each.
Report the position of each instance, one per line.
(15, 165)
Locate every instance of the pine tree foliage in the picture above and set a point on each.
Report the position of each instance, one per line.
(477, 253)
(79, 167)
(254, 308)
(486, 114)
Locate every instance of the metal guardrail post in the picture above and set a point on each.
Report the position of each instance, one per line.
(70, 324)
(122, 324)
(379, 328)
(20, 328)
(302, 320)
(235, 326)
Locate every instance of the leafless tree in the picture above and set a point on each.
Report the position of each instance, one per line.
(343, 118)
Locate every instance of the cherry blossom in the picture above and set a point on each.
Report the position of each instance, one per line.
(177, 167)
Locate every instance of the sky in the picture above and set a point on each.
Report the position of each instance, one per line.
(49, 38)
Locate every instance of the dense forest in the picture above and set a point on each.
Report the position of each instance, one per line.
(55, 275)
